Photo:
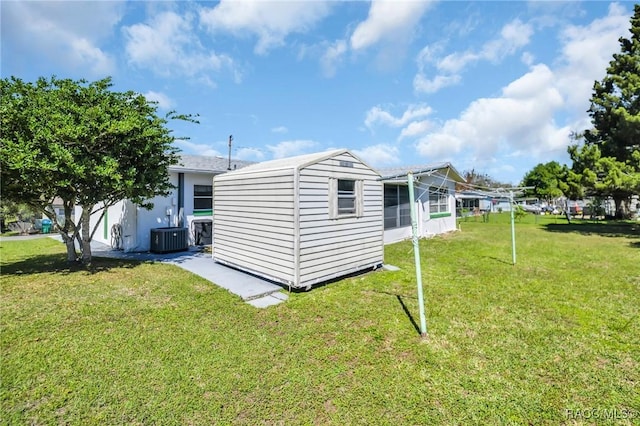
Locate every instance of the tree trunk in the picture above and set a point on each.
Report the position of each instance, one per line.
(72, 257)
(622, 210)
(67, 238)
(85, 220)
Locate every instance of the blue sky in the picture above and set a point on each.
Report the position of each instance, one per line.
(491, 86)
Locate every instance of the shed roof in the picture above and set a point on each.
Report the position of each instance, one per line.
(443, 169)
(297, 162)
(206, 164)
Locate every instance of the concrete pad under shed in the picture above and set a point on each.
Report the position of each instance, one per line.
(270, 300)
(247, 286)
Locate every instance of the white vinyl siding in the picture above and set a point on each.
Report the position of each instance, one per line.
(334, 244)
(253, 221)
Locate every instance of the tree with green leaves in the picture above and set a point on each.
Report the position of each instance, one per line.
(14, 215)
(607, 164)
(474, 178)
(545, 180)
(84, 143)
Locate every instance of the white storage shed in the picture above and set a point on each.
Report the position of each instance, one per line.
(300, 221)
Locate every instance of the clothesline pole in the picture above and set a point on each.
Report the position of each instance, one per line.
(416, 254)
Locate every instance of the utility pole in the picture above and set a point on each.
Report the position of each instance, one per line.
(230, 139)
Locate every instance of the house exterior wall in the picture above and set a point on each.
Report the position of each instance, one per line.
(429, 224)
(136, 222)
(279, 225)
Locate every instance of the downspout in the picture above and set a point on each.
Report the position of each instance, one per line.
(296, 226)
(181, 199)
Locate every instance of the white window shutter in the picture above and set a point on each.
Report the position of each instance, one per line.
(333, 198)
(359, 198)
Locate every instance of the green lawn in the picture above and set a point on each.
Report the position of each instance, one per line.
(554, 339)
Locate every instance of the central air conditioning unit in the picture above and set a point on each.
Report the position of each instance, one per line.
(165, 240)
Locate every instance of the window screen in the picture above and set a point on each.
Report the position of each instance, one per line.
(397, 209)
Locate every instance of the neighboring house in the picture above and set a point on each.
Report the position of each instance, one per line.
(300, 220)
(434, 191)
(475, 202)
(58, 209)
(128, 226)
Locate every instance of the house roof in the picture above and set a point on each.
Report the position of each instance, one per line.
(444, 170)
(477, 194)
(206, 164)
(297, 162)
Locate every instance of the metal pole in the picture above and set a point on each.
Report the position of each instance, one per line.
(230, 139)
(513, 229)
(416, 254)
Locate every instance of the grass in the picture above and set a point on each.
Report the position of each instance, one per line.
(554, 339)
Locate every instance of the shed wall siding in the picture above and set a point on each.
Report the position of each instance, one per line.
(331, 247)
(253, 222)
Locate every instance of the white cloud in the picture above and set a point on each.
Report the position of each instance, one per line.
(249, 154)
(167, 44)
(388, 20)
(455, 62)
(164, 102)
(377, 115)
(521, 124)
(68, 34)
(586, 54)
(421, 84)
(528, 58)
(416, 128)
(513, 36)
(199, 148)
(521, 120)
(379, 155)
(270, 21)
(85, 53)
(332, 57)
(291, 148)
(279, 129)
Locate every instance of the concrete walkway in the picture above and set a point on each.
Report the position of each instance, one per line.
(254, 290)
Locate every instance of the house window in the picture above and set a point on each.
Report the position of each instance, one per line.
(397, 209)
(202, 200)
(438, 201)
(346, 197)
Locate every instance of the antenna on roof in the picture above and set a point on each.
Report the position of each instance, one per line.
(230, 139)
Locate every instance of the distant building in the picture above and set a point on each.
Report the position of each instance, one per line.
(434, 197)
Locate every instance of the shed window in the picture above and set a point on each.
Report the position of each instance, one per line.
(202, 200)
(397, 209)
(438, 201)
(346, 197)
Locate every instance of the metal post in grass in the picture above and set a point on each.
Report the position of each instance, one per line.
(416, 254)
(513, 229)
